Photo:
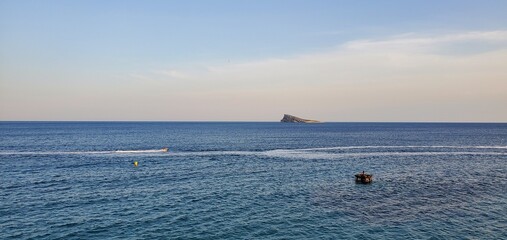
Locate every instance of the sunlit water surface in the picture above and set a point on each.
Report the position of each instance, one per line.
(76, 180)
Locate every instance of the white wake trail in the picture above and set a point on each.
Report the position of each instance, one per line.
(390, 147)
(303, 153)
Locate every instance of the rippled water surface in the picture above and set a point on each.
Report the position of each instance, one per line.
(76, 180)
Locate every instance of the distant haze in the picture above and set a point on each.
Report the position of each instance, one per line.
(253, 60)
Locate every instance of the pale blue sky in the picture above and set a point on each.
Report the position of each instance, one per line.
(232, 60)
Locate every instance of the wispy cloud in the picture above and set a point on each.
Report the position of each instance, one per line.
(406, 77)
(414, 42)
(173, 74)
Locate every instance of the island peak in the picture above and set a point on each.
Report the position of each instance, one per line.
(293, 119)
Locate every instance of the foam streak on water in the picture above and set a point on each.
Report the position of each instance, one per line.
(306, 153)
(275, 152)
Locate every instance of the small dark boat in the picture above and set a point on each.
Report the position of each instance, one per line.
(364, 178)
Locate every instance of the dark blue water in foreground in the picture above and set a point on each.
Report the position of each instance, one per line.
(252, 181)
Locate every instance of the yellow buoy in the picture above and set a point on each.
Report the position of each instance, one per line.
(136, 163)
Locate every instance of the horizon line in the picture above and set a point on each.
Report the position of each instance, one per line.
(230, 121)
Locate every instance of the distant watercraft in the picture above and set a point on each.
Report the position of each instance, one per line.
(364, 178)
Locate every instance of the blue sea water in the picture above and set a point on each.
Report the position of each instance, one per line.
(76, 180)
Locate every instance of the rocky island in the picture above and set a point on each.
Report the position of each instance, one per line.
(293, 119)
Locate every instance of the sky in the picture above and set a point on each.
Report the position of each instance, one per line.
(225, 60)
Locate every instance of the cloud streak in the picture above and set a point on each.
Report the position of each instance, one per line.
(448, 77)
(403, 78)
(409, 42)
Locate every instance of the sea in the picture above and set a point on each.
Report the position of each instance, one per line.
(252, 180)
